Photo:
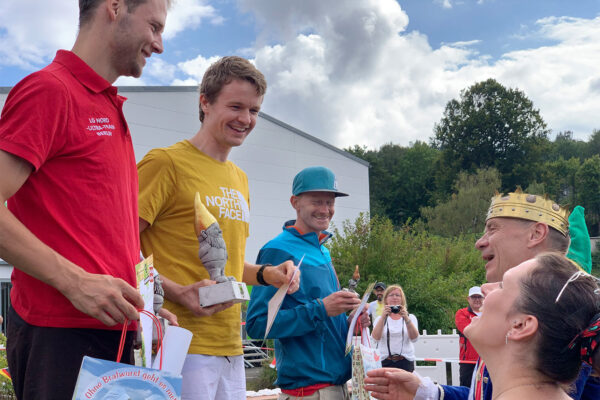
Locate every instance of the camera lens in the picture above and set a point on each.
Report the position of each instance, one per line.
(395, 309)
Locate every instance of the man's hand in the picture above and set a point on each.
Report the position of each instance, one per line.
(169, 316)
(363, 320)
(340, 302)
(188, 297)
(281, 274)
(392, 384)
(108, 299)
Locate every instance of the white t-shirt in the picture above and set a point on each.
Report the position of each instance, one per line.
(400, 342)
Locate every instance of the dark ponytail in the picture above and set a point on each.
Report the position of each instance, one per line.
(560, 322)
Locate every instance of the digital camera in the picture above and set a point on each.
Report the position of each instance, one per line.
(395, 309)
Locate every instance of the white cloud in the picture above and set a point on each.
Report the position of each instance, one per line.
(196, 67)
(561, 79)
(31, 31)
(130, 81)
(350, 75)
(444, 3)
(159, 69)
(336, 83)
(189, 14)
(464, 43)
(185, 82)
(355, 79)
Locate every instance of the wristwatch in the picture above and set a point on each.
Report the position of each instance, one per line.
(259, 274)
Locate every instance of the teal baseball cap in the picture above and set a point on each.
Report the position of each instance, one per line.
(315, 179)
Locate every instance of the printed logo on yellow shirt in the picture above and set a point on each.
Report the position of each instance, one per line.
(232, 205)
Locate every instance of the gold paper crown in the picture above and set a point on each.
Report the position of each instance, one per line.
(530, 207)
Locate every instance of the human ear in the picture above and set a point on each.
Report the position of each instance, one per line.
(538, 233)
(204, 102)
(114, 7)
(523, 328)
(294, 201)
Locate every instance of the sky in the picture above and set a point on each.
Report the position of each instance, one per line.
(357, 72)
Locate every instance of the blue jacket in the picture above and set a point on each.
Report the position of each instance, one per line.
(585, 388)
(309, 345)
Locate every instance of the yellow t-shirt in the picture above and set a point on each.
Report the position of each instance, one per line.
(169, 178)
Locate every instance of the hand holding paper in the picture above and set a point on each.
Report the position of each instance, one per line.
(277, 299)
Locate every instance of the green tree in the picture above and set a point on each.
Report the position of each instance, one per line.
(566, 147)
(558, 179)
(434, 272)
(594, 143)
(490, 126)
(466, 210)
(588, 179)
(400, 179)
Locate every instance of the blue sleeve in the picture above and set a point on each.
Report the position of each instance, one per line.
(581, 384)
(296, 317)
(591, 390)
(455, 392)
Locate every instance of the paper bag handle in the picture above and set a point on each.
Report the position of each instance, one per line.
(159, 333)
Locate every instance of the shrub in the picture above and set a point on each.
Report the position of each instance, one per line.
(266, 378)
(435, 272)
(6, 388)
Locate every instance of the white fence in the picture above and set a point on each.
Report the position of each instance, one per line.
(438, 347)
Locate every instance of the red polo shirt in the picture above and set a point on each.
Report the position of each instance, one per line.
(81, 198)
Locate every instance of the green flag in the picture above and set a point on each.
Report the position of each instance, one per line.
(580, 249)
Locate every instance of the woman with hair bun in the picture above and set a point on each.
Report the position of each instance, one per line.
(537, 326)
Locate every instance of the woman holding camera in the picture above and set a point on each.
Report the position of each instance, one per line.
(395, 331)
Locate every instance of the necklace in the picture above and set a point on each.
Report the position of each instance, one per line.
(525, 384)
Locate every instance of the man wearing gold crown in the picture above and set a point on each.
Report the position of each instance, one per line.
(518, 227)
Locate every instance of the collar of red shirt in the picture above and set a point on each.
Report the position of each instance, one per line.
(83, 72)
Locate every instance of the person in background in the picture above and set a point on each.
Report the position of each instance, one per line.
(462, 319)
(395, 331)
(376, 306)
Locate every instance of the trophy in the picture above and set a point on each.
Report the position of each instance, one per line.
(213, 254)
(353, 282)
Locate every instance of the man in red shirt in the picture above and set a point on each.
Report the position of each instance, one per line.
(463, 319)
(69, 177)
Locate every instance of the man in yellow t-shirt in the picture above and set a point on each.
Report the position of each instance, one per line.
(231, 94)
(376, 307)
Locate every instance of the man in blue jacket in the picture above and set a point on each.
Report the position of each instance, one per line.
(310, 328)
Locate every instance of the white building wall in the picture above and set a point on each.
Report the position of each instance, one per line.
(271, 156)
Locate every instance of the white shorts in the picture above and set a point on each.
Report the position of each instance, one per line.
(213, 378)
